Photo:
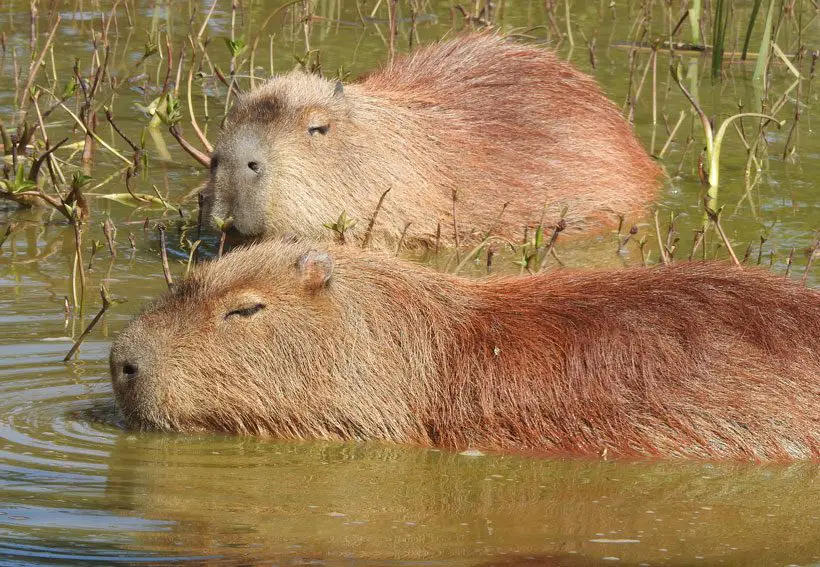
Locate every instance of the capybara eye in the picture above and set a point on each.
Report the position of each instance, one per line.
(246, 311)
(129, 369)
(254, 166)
(313, 130)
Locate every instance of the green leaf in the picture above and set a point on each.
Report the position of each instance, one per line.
(765, 45)
(224, 225)
(79, 180)
(70, 88)
(169, 110)
(236, 47)
(151, 109)
(150, 48)
(142, 200)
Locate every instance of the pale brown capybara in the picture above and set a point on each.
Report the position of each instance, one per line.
(690, 360)
(510, 128)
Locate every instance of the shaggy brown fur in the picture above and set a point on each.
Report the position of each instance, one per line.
(495, 121)
(693, 360)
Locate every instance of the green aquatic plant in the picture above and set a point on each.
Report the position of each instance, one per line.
(17, 184)
(236, 46)
(719, 23)
(749, 27)
(341, 226)
(694, 13)
(764, 52)
(714, 140)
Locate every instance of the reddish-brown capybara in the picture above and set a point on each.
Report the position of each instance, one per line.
(507, 127)
(690, 360)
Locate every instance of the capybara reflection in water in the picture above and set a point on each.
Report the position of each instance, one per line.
(507, 127)
(693, 360)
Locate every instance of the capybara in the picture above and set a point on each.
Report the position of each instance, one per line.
(509, 128)
(281, 339)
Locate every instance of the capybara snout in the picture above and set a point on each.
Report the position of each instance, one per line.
(139, 364)
(247, 167)
(296, 341)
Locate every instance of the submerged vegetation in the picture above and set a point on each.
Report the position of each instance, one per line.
(93, 121)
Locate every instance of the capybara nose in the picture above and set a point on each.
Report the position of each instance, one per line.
(245, 160)
(124, 367)
(134, 356)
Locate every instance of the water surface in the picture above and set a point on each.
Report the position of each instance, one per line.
(75, 487)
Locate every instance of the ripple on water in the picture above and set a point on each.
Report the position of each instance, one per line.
(53, 455)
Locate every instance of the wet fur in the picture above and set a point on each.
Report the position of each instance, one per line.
(498, 122)
(692, 360)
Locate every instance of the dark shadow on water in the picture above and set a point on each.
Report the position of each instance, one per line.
(102, 411)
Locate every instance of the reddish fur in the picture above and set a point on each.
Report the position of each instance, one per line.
(691, 360)
(498, 122)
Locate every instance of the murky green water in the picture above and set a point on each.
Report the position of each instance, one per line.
(74, 486)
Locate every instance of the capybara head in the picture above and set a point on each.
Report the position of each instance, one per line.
(495, 125)
(272, 152)
(273, 339)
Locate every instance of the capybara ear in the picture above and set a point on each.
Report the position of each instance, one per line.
(339, 90)
(316, 269)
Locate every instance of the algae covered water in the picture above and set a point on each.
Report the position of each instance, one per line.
(75, 487)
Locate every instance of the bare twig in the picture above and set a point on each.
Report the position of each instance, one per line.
(164, 253)
(477, 250)
(35, 65)
(110, 232)
(78, 258)
(672, 135)
(129, 173)
(559, 228)
(714, 216)
(134, 147)
(622, 243)
(367, 233)
(105, 305)
(35, 168)
(661, 246)
(812, 254)
(189, 149)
